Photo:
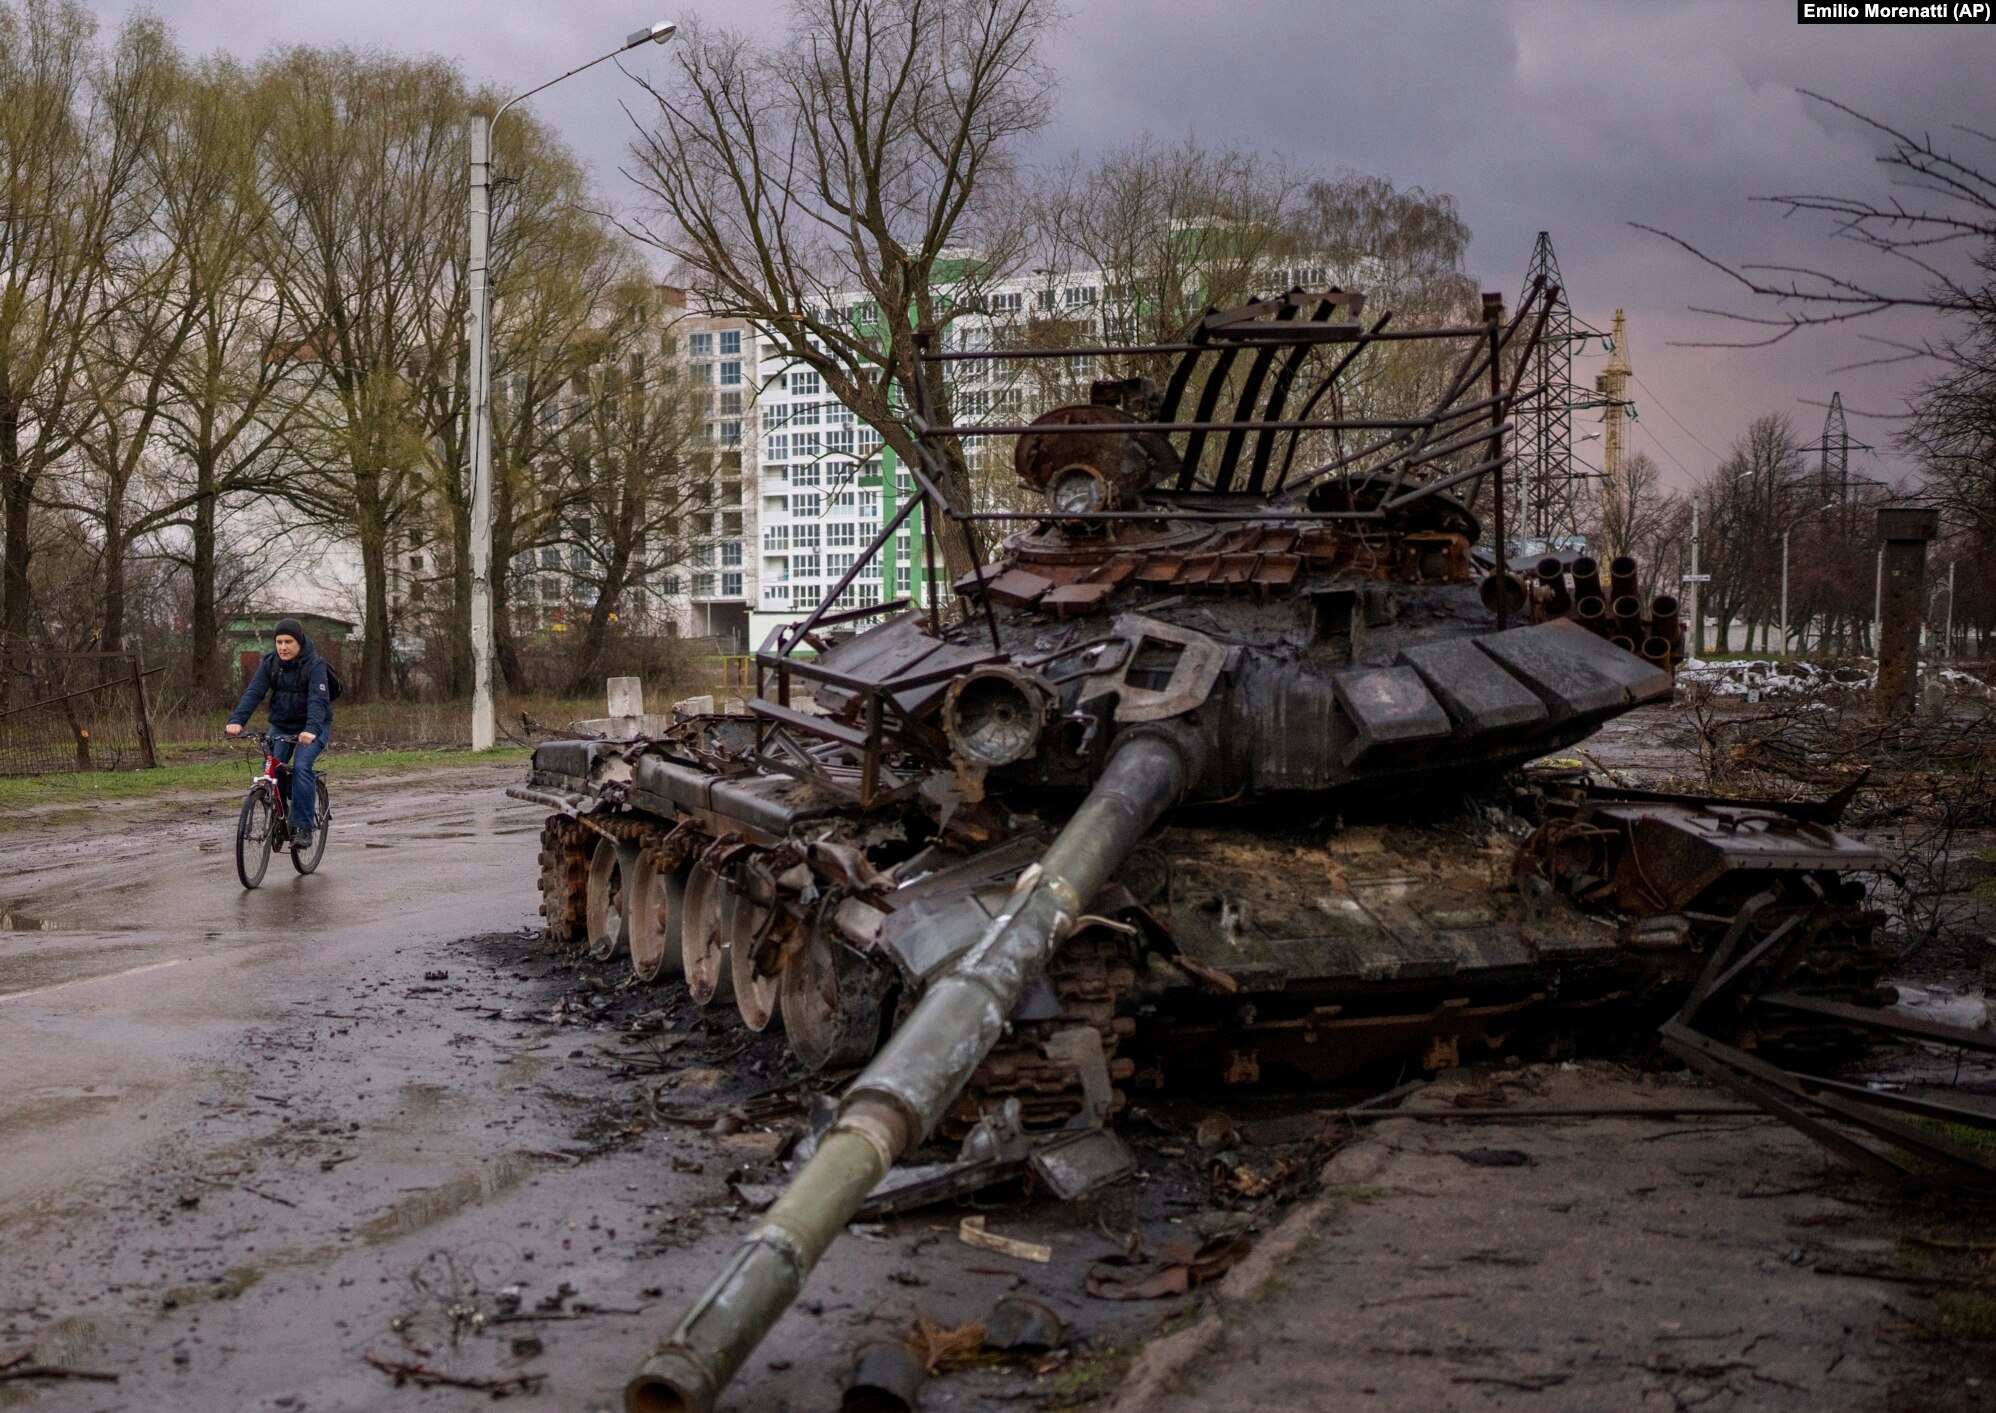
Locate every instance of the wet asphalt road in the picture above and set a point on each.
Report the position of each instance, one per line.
(250, 1142)
(258, 1150)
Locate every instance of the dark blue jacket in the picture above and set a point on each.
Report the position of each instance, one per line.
(300, 699)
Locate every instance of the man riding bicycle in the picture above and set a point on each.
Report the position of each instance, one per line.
(301, 706)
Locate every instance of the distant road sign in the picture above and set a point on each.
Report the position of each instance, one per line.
(1697, 579)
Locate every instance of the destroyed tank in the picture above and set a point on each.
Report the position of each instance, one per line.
(1213, 773)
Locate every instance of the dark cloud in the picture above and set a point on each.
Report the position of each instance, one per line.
(1574, 118)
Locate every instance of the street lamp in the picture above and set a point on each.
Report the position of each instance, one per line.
(484, 724)
(1786, 648)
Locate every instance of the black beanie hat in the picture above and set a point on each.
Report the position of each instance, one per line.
(288, 628)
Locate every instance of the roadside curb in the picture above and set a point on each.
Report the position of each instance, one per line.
(1161, 1367)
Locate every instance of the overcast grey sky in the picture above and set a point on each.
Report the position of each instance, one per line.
(1576, 118)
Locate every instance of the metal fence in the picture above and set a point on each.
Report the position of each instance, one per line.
(68, 712)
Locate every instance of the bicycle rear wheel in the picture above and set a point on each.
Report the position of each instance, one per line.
(322, 820)
(253, 830)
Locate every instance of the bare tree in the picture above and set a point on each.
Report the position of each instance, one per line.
(640, 471)
(74, 128)
(872, 153)
(367, 156)
(1928, 247)
(559, 287)
(246, 367)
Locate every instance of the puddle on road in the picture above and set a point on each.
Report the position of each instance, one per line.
(427, 1208)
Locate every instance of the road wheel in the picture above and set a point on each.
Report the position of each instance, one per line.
(833, 1002)
(607, 897)
(253, 831)
(702, 945)
(658, 912)
(755, 996)
(565, 880)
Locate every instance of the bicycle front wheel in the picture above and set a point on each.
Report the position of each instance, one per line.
(322, 819)
(253, 830)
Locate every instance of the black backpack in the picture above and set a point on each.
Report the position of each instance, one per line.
(334, 687)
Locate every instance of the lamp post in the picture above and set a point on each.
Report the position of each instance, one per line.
(1785, 647)
(484, 723)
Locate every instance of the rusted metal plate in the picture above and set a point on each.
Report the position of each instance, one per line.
(1019, 586)
(1073, 600)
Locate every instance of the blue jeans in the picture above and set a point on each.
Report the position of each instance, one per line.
(304, 784)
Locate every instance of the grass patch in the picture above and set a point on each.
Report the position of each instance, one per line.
(230, 777)
(1966, 1314)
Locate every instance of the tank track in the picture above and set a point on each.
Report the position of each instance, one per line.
(564, 864)
(1091, 975)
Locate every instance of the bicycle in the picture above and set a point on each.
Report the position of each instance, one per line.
(265, 822)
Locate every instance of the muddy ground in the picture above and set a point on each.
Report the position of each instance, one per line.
(324, 1145)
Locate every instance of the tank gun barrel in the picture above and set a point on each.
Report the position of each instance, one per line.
(899, 1097)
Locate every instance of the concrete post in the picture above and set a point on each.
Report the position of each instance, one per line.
(484, 719)
(627, 707)
(1905, 533)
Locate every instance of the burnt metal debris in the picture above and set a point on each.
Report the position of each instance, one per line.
(1070, 835)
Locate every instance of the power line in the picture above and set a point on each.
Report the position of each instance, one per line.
(1651, 393)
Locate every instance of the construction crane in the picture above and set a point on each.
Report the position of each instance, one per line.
(1612, 383)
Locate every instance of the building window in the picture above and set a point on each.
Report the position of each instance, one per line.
(864, 312)
(1079, 294)
(841, 533)
(1007, 303)
(973, 404)
(550, 587)
(731, 585)
(804, 414)
(804, 536)
(1313, 277)
(804, 475)
(703, 586)
(731, 555)
(776, 447)
(1044, 299)
(869, 505)
(669, 586)
(550, 557)
(731, 404)
(699, 345)
(867, 441)
(731, 342)
(837, 564)
(806, 383)
(731, 372)
(775, 538)
(804, 566)
(839, 439)
(731, 433)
